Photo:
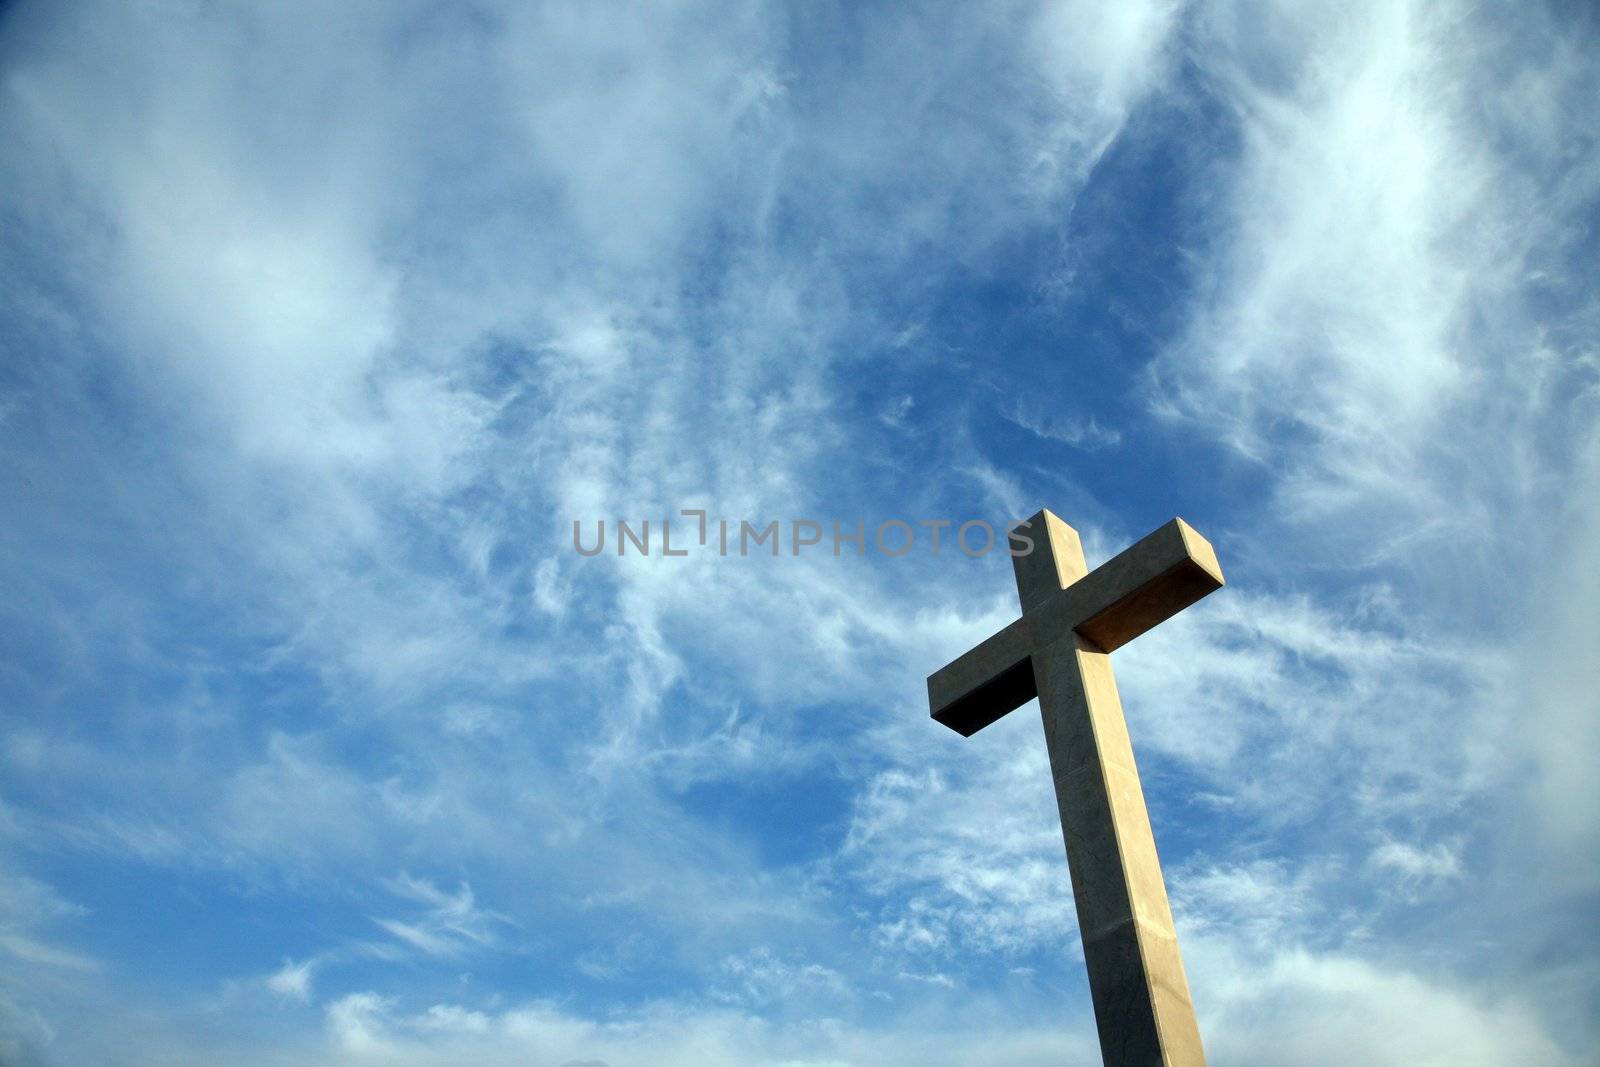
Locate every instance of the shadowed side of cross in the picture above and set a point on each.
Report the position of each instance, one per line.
(1059, 651)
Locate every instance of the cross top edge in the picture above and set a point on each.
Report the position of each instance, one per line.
(1055, 561)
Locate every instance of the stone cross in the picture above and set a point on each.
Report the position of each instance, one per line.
(1059, 651)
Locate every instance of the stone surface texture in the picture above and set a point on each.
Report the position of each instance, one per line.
(1059, 651)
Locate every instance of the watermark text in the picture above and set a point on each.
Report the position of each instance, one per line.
(895, 538)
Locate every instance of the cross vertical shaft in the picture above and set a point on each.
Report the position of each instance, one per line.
(1059, 651)
(1141, 996)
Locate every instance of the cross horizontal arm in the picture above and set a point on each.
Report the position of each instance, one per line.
(986, 682)
(1152, 580)
(1146, 584)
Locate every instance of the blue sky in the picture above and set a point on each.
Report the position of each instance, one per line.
(321, 324)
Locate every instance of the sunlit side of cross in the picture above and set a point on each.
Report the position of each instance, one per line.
(1059, 651)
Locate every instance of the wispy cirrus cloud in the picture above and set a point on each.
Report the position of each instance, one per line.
(451, 923)
(319, 342)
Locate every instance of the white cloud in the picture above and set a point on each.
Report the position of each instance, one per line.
(28, 908)
(357, 1024)
(1255, 905)
(1560, 674)
(1084, 433)
(1304, 1008)
(665, 1035)
(637, 157)
(407, 313)
(1396, 333)
(38, 972)
(1101, 61)
(759, 978)
(293, 981)
(967, 857)
(1370, 334)
(1415, 864)
(452, 923)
